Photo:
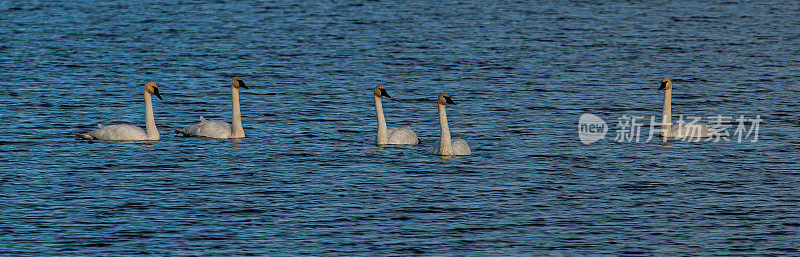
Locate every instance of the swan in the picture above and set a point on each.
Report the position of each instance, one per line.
(445, 146)
(680, 130)
(391, 136)
(127, 132)
(220, 129)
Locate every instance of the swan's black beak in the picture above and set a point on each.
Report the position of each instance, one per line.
(663, 85)
(241, 84)
(383, 93)
(155, 92)
(448, 100)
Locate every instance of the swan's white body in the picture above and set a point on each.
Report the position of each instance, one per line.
(459, 146)
(127, 132)
(220, 129)
(119, 132)
(401, 136)
(209, 128)
(680, 130)
(448, 146)
(690, 131)
(391, 136)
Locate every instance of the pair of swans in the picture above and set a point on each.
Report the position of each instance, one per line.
(404, 135)
(204, 128)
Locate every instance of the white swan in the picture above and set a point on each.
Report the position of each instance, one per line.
(680, 130)
(127, 132)
(220, 129)
(391, 136)
(446, 146)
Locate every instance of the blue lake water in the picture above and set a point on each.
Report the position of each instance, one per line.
(308, 178)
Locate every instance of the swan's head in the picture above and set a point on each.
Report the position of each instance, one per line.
(380, 91)
(444, 99)
(665, 84)
(152, 88)
(238, 83)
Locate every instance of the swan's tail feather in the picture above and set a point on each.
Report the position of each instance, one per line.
(99, 126)
(202, 119)
(83, 136)
(182, 133)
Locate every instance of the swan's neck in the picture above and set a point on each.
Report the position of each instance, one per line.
(666, 114)
(445, 145)
(383, 136)
(149, 119)
(237, 129)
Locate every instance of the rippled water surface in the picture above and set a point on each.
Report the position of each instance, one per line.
(308, 178)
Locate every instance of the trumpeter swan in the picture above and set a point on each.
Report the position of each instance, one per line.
(680, 130)
(220, 129)
(391, 136)
(446, 146)
(127, 132)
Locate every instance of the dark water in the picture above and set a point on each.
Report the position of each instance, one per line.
(308, 178)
